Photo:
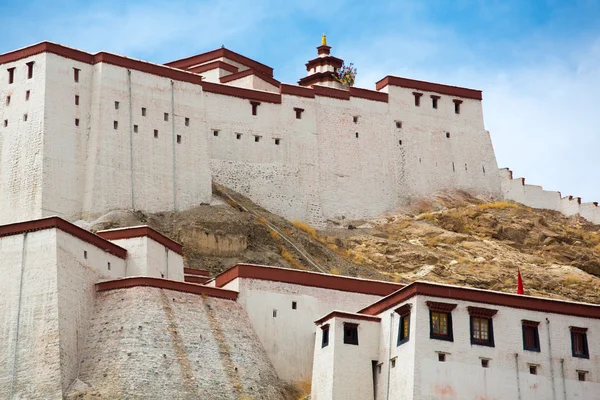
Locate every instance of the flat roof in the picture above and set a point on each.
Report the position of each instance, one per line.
(452, 292)
(139, 231)
(306, 278)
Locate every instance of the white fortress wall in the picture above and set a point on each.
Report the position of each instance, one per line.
(463, 376)
(534, 196)
(172, 158)
(288, 334)
(29, 316)
(21, 142)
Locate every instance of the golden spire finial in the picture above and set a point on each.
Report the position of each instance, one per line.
(323, 40)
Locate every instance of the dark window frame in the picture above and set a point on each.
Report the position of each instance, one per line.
(299, 112)
(30, 65)
(325, 336)
(483, 314)
(404, 314)
(435, 101)
(11, 75)
(350, 333)
(255, 105)
(582, 333)
(441, 308)
(532, 327)
(457, 104)
(417, 98)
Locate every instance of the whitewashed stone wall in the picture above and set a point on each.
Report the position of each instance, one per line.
(146, 257)
(462, 376)
(288, 335)
(56, 297)
(536, 197)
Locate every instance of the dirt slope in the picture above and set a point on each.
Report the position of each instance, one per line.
(453, 238)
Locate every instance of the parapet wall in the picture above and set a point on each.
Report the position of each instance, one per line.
(536, 197)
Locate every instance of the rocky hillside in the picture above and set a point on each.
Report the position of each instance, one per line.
(454, 238)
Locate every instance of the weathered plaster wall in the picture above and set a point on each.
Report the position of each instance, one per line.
(463, 377)
(536, 197)
(287, 334)
(155, 344)
(21, 142)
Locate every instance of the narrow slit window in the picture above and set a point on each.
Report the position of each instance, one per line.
(417, 98)
(325, 336)
(356, 135)
(399, 124)
(109, 265)
(393, 362)
(76, 121)
(5, 123)
(466, 169)
(256, 139)
(116, 124)
(179, 139)
(27, 95)
(400, 142)
(76, 74)
(76, 100)
(30, 69)
(277, 141)
(457, 104)
(453, 169)
(274, 313)
(294, 305)
(255, 105)
(85, 254)
(355, 119)
(156, 133)
(24, 117)
(434, 101)
(215, 132)
(298, 112)
(187, 121)
(447, 135)
(11, 75)
(143, 111)
(166, 117)
(135, 128)
(116, 105)
(238, 136)
(483, 168)
(8, 100)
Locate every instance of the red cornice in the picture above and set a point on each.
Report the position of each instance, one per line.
(429, 87)
(47, 47)
(368, 94)
(248, 72)
(213, 65)
(200, 280)
(324, 49)
(59, 223)
(299, 91)
(330, 92)
(185, 63)
(194, 271)
(139, 231)
(341, 314)
(328, 60)
(179, 286)
(243, 93)
(485, 297)
(317, 77)
(306, 278)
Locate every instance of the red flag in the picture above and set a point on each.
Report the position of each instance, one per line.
(519, 283)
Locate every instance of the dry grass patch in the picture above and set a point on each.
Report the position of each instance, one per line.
(312, 232)
(498, 205)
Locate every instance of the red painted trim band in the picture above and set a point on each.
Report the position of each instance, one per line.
(341, 314)
(214, 65)
(59, 223)
(305, 278)
(193, 271)
(188, 62)
(139, 231)
(159, 283)
(429, 87)
(486, 297)
(248, 72)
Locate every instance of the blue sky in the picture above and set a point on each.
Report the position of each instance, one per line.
(537, 62)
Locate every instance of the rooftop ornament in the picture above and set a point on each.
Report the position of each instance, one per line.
(346, 75)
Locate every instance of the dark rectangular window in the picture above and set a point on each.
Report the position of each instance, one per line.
(5, 123)
(398, 124)
(257, 139)
(440, 320)
(579, 344)
(109, 266)
(324, 335)
(116, 124)
(434, 101)
(238, 136)
(76, 121)
(135, 128)
(417, 98)
(294, 305)
(8, 100)
(355, 119)
(350, 333)
(531, 337)
(30, 69)
(76, 74)
(166, 116)
(116, 105)
(143, 111)
(485, 363)
(215, 132)
(76, 100)
(533, 369)
(457, 104)
(155, 133)
(581, 376)
(27, 95)
(447, 135)
(178, 138)
(298, 112)
(404, 324)
(277, 141)
(11, 75)
(274, 313)
(24, 117)
(482, 326)
(255, 105)
(442, 357)
(187, 121)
